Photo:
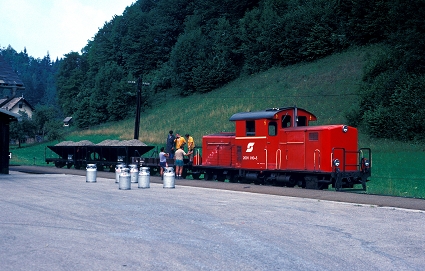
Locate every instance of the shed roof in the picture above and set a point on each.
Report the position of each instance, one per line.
(10, 115)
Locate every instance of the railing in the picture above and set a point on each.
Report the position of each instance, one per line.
(360, 155)
(278, 155)
(316, 151)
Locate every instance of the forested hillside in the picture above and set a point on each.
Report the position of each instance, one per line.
(183, 47)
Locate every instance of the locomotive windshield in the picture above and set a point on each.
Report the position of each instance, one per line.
(286, 121)
(301, 121)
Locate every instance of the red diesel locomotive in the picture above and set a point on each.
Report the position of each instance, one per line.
(277, 146)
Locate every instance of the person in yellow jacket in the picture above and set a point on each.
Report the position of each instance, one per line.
(190, 146)
(180, 141)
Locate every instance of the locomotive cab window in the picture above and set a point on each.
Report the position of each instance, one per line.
(272, 128)
(301, 121)
(286, 121)
(250, 128)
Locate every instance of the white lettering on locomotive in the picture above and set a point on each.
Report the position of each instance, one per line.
(250, 147)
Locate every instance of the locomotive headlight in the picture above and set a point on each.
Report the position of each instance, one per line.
(336, 162)
(366, 163)
(344, 128)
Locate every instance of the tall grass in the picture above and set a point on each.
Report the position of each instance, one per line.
(327, 88)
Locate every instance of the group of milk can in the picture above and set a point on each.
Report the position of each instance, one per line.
(125, 176)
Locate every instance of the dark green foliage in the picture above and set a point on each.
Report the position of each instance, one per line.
(261, 36)
(70, 81)
(392, 95)
(47, 121)
(44, 116)
(83, 115)
(55, 130)
(365, 21)
(38, 76)
(202, 61)
(22, 129)
(392, 106)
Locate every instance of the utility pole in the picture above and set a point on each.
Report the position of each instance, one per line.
(140, 83)
(139, 97)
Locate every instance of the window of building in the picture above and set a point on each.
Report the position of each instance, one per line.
(250, 128)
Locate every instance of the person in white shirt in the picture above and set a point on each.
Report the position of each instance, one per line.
(178, 157)
(162, 160)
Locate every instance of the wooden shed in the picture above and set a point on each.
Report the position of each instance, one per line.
(9, 81)
(5, 118)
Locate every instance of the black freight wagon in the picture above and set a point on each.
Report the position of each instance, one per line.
(105, 157)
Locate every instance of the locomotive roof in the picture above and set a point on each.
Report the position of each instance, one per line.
(264, 114)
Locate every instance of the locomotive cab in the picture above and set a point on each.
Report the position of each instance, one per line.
(260, 136)
(267, 122)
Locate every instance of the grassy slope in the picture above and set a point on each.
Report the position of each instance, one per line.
(326, 88)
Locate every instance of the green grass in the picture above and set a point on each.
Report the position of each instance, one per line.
(398, 173)
(326, 88)
(29, 154)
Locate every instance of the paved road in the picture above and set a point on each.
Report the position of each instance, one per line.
(373, 200)
(60, 222)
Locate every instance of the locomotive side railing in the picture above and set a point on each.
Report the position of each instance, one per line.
(342, 162)
(279, 157)
(197, 157)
